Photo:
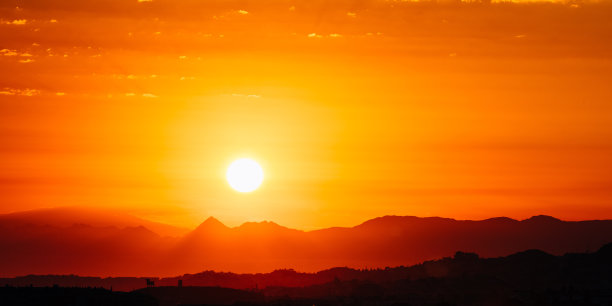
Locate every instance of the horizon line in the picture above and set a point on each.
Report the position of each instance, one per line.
(265, 221)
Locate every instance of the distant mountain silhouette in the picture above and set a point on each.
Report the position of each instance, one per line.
(67, 216)
(57, 248)
(530, 277)
(384, 241)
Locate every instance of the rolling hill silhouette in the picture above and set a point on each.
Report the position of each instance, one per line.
(102, 250)
(531, 277)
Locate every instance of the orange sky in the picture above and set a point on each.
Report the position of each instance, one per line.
(355, 109)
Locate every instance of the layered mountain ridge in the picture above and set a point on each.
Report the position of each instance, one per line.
(40, 246)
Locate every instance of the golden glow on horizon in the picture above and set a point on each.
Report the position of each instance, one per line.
(245, 175)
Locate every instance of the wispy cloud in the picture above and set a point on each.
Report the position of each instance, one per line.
(15, 22)
(9, 52)
(132, 94)
(251, 96)
(19, 92)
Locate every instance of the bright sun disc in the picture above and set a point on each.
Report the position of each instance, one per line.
(244, 175)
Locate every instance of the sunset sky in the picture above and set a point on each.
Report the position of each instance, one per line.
(354, 109)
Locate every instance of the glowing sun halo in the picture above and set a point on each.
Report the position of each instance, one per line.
(244, 175)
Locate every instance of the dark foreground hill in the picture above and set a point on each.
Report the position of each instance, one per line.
(531, 277)
(62, 296)
(34, 243)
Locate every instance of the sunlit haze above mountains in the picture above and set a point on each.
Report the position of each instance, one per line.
(353, 109)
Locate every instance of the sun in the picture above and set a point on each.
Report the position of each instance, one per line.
(244, 175)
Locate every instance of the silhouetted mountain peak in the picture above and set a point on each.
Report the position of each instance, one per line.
(211, 224)
(542, 219)
(532, 256)
(501, 220)
(139, 230)
(398, 221)
(261, 223)
(388, 219)
(605, 250)
(212, 219)
(263, 226)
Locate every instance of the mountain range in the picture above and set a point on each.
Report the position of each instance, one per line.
(105, 244)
